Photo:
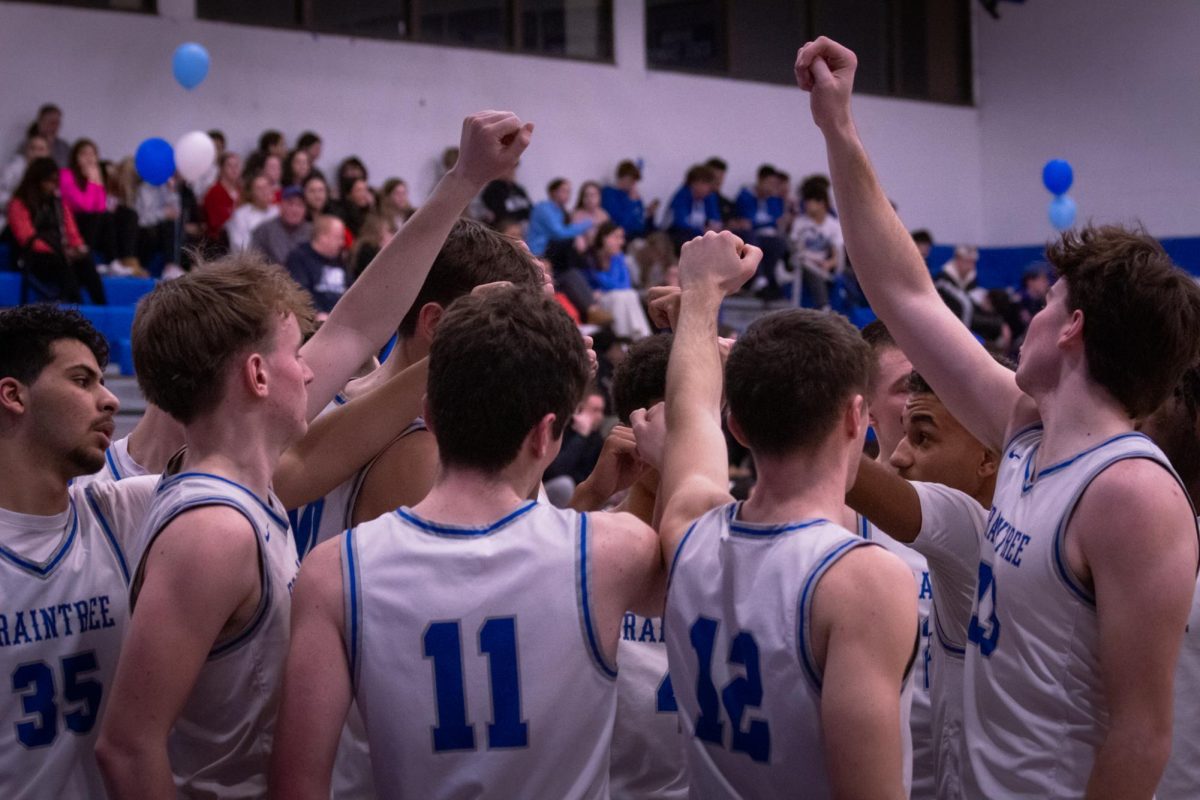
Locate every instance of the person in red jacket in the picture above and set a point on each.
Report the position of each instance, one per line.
(52, 251)
(222, 198)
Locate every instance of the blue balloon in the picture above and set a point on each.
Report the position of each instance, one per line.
(1062, 212)
(155, 161)
(190, 64)
(1057, 176)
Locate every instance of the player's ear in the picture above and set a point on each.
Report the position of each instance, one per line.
(1072, 332)
(856, 417)
(428, 318)
(542, 438)
(254, 374)
(13, 398)
(735, 428)
(989, 463)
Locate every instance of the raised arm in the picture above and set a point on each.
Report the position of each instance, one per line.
(695, 473)
(341, 442)
(978, 391)
(887, 500)
(371, 310)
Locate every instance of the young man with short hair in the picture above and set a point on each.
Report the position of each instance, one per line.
(530, 649)
(64, 607)
(792, 637)
(220, 350)
(1089, 561)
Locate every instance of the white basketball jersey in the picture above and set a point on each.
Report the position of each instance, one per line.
(475, 658)
(118, 464)
(738, 625)
(924, 755)
(952, 526)
(647, 744)
(1181, 780)
(64, 609)
(1034, 707)
(221, 742)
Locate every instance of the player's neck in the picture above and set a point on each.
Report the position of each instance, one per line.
(471, 497)
(155, 438)
(30, 485)
(1077, 415)
(401, 358)
(793, 489)
(235, 447)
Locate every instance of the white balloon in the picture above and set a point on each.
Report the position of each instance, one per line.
(194, 154)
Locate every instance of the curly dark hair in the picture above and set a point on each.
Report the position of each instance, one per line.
(27, 333)
(640, 380)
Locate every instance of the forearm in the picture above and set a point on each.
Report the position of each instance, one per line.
(694, 372)
(136, 769)
(341, 442)
(887, 500)
(1130, 762)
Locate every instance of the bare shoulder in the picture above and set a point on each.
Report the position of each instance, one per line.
(865, 578)
(320, 581)
(400, 476)
(623, 534)
(1134, 494)
(213, 536)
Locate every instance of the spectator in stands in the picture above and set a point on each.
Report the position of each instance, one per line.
(257, 207)
(47, 124)
(317, 264)
(551, 233)
(759, 212)
(271, 142)
(84, 194)
(223, 197)
(394, 204)
(350, 170)
(654, 257)
(51, 250)
(624, 203)
(357, 202)
(267, 164)
(36, 146)
(608, 276)
(923, 239)
(122, 187)
(278, 236)
(297, 166)
(694, 208)
(589, 207)
(816, 243)
(310, 143)
(316, 197)
(579, 452)
(725, 206)
(158, 210)
(201, 185)
(504, 198)
(960, 291)
(377, 230)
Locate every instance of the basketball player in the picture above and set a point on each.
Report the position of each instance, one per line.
(220, 350)
(791, 638)
(481, 629)
(1090, 556)
(64, 577)
(143, 451)
(1175, 427)
(937, 504)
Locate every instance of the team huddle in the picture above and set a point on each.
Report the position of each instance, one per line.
(304, 577)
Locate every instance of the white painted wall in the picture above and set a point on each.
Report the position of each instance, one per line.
(1111, 85)
(398, 105)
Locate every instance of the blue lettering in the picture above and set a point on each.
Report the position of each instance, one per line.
(81, 608)
(629, 627)
(1016, 559)
(647, 631)
(19, 630)
(3, 630)
(49, 622)
(926, 589)
(105, 620)
(64, 609)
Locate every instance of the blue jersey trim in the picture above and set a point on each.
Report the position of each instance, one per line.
(281, 519)
(943, 639)
(760, 530)
(810, 583)
(112, 464)
(585, 602)
(1030, 478)
(44, 568)
(340, 399)
(440, 529)
(678, 551)
(864, 527)
(1012, 440)
(352, 596)
(108, 534)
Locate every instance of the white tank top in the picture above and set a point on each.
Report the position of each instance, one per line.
(484, 639)
(924, 755)
(738, 625)
(221, 742)
(647, 745)
(1034, 707)
(64, 609)
(118, 464)
(1181, 780)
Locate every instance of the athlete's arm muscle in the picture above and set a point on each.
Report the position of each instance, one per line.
(1135, 531)
(401, 476)
(887, 500)
(695, 473)
(371, 310)
(629, 574)
(200, 578)
(316, 683)
(865, 622)
(982, 394)
(339, 443)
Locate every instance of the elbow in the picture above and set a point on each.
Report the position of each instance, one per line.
(118, 758)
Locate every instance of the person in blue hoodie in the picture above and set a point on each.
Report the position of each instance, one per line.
(549, 225)
(694, 208)
(624, 204)
(759, 210)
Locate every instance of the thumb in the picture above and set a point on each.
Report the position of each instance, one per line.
(820, 71)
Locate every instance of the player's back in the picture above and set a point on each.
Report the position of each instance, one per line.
(1034, 706)
(475, 656)
(738, 620)
(64, 609)
(221, 741)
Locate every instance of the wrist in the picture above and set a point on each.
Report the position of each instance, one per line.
(459, 183)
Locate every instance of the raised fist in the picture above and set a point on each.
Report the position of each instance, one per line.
(825, 69)
(719, 260)
(491, 145)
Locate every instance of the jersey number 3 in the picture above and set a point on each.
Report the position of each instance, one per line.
(738, 695)
(34, 683)
(985, 636)
(498, 641)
